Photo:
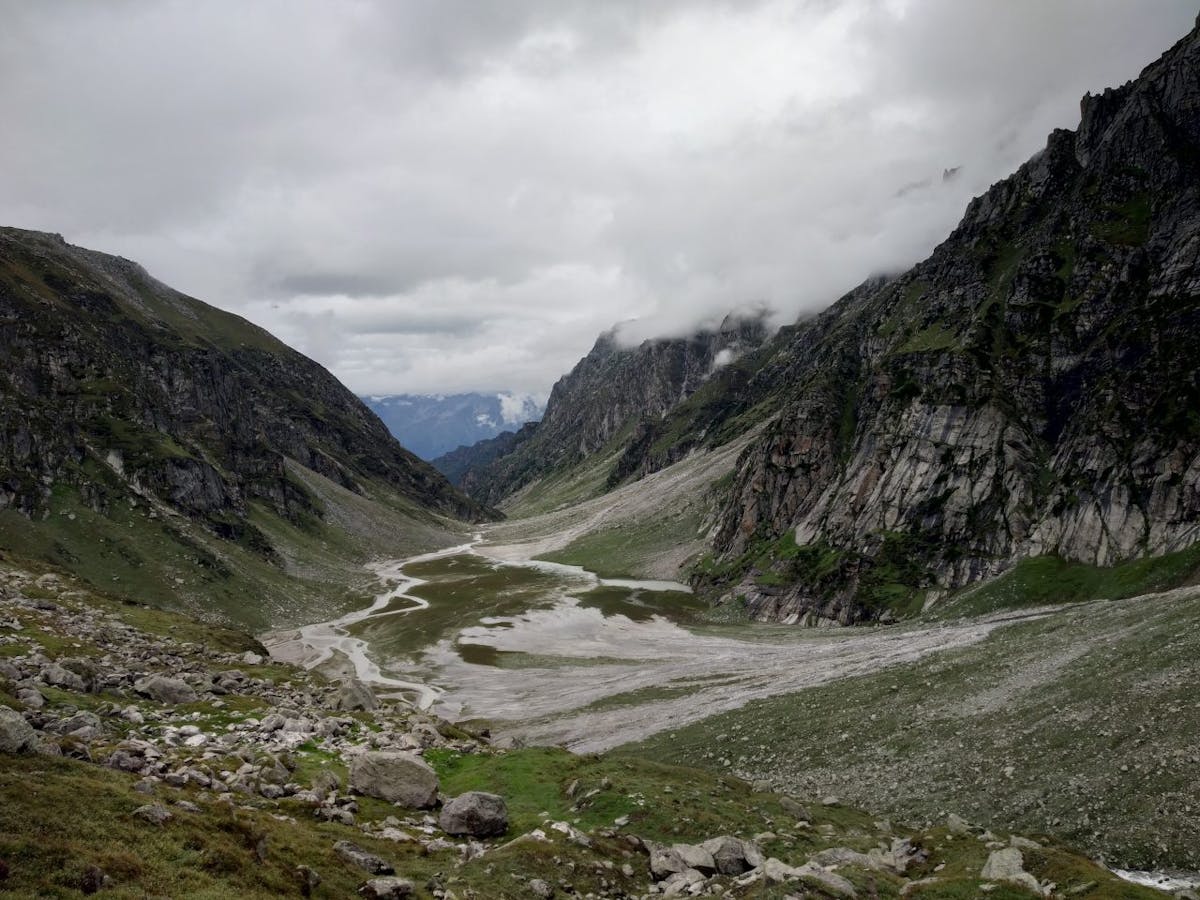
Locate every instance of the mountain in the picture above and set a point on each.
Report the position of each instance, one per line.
(1031, 389)
(613, 394)
(431, 426)
(462, 460)
(1025, 400)
(123, 399)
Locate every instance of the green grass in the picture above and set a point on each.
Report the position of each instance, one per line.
(172, 563)
(932, 339)
(663, 802)
(1042, 580)
(623, 550)
(904, 310)
(1127, 223)
(48, 844)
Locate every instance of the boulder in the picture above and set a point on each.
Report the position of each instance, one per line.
(31, 698)
(154, 813)
(386, 889)
(475, 814)
(16, 735)
(957, 825)
(64, 678)
(732, 856)
(695, 858)
(165, 690)
(354, 694)
(1009, 865)
(829, 882)
(84, 725)
(664, 861)
(363, 859)
(395, 777)
(795, 809)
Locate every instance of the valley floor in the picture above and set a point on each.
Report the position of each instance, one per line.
(1083, 722)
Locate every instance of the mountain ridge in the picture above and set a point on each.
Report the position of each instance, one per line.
(120, 393)
(611, 393)
(433, 425)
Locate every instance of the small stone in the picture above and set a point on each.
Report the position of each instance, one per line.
(154, 813)
(165, 690)
(957, 825)
(309, 880)
(363, 859)
(541, 889)
(386, 889)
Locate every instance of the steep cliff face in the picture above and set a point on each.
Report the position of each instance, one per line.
(610, 394)
(1031, 388)
(111, 377)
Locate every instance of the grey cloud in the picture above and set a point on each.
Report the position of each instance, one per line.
(443, 195)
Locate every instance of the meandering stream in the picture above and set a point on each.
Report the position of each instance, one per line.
(555, 654)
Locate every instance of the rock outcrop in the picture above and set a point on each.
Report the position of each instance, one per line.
(1029, 389)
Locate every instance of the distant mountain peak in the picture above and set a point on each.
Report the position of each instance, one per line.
(434, 424)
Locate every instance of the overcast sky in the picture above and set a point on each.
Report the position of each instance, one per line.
(441, 195)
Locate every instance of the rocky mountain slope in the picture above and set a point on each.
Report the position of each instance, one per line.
(431, 426)
(1030, 390)
(613, 395)
(119, 394)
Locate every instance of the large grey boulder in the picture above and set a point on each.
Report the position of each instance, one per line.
(664, 861)
(354, 694)
(16, 735)
(696, 858)
(1009, 865)
(732, 856)
(475, 813)
(396, 777)
(165, 690)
